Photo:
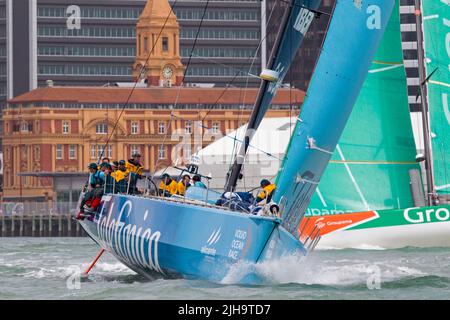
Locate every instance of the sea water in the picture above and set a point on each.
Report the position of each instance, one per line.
(49, 268)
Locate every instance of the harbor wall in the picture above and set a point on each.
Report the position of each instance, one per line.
(39, 219)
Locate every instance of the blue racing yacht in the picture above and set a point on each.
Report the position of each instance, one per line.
(191, 236)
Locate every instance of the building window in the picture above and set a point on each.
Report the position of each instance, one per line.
(161, 152)
(145, 44)
(25, 127)
(215, 127)
(134, 127)
(161, 127)
(165, 44)
(72, 152)
(101, 128)
(59, 151)
(37, 153)
(110, 151)
(135, 149)
(188, 127)
(93, 151)
(66, 127)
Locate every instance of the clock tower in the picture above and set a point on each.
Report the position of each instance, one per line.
(158, 46)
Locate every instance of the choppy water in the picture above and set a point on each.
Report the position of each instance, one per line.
(44, 268)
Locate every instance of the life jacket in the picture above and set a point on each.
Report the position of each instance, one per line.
(96, 178)
(267, 191)
(134, 167)
(182, 188)
(200, 184)
(119, 175)
(171, 188)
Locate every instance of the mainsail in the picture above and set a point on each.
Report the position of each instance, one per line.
(297, 20)
(353, 37)
(436, 29)
(370, 167)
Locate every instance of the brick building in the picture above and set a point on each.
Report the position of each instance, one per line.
(63, 129)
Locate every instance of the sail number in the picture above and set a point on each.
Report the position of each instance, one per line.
(303, 21)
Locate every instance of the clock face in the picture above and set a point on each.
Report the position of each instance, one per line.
(167, 72)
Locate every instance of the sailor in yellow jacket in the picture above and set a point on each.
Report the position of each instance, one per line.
(121, 171)
(184, 183)
(134, 164)
(267, 192)
(167, 187)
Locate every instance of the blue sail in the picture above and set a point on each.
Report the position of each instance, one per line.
(353, 37)
(300, 18)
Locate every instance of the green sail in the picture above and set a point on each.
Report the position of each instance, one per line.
(436, 29)
(370, 166)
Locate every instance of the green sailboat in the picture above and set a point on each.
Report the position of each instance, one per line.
(371, 193)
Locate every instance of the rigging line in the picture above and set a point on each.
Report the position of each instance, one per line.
(236, 75)
(297, 125)
(142, 70)
(195, 42)
(231, 137)
(184, 77)
(235, 151)
(239, 71)
(361, 195)
(317, 12)
(235, 135)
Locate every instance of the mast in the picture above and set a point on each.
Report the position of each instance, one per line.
(235, 171)
(431, 190)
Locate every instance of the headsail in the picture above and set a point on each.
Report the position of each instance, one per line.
(296, 23)
(353, 37)
(370, 168)
(436, 29)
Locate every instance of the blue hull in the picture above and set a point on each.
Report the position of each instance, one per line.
(174, 238)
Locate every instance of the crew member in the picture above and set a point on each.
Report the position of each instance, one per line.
(134, 164)
(95, 188)
(167, 187)
(184, 183)
(198, 182)
(267, 192)
(115, 166)
(97, 177)
(109, 180)
(120, 175)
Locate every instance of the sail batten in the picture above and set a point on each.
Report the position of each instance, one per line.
(353, 36)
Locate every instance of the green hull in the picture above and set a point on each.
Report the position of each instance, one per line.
(410, 227)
